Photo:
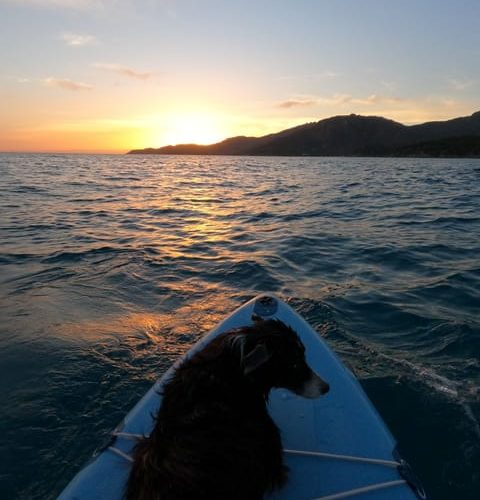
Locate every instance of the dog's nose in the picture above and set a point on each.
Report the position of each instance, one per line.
(325, 387)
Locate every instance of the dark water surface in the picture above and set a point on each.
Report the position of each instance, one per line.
(112, 266)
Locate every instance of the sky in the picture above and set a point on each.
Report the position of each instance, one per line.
(113, 75)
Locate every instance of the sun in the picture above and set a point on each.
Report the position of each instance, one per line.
(192, 129)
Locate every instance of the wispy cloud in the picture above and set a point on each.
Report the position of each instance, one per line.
(337, 100)
(460, 84)
(328, 74)
(77, 40)
(323, 75)
(19, 79)
(389, 85)
(374, 99)
(101, 7)
(294, 103)
(67, 4)
(125, 71)
(66, 84)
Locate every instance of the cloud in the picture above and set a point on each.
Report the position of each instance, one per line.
(67, 4)
(338, 100)
(77, 40)
(460, 84)
(377, 99)
(124, 71)
(335, 100)
(370, 100)
(293, 103)
(389, 85)
(96, 7)
(323, 75)
(328, 74)
(66, 84)
(16, 78)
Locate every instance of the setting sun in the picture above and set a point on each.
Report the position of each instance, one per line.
(163, 162)
(78, 81)
(193, 128)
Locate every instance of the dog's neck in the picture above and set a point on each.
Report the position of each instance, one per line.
(210, 378)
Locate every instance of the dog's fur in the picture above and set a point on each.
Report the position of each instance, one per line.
(213, 438)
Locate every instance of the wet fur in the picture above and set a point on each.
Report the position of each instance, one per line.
(214, 438)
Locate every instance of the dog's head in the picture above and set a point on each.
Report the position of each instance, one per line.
(272, 354)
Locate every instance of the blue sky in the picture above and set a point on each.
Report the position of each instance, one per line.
(117, 74)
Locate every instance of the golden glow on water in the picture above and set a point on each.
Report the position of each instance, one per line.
(147, 323)
(160, 330)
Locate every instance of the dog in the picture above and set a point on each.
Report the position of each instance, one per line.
(213, 437)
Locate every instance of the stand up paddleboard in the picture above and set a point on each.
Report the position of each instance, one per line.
(336, 446)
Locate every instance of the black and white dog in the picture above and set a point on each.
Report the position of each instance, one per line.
(213, 438)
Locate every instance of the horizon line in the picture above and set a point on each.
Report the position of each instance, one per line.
(129, 149)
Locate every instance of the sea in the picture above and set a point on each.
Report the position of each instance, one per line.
(112, 266)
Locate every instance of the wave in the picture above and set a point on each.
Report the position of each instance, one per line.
(377, 254)
(370, 359)
(78, 256)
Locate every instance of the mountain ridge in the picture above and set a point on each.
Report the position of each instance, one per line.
(348, 135)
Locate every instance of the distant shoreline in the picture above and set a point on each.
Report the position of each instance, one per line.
(349, 136)
(419, 157)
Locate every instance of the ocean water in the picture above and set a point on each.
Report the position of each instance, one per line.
(112, 266)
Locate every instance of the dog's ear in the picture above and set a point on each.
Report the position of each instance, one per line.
(258, 356)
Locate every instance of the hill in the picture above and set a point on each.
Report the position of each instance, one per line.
(349, 135)
(452, 147)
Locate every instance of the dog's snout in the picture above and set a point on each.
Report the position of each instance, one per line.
(325, 387)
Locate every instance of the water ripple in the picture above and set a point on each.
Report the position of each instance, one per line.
(112, 266)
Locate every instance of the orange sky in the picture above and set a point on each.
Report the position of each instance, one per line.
(114, 75)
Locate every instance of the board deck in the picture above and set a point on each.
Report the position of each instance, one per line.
(343, 422)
